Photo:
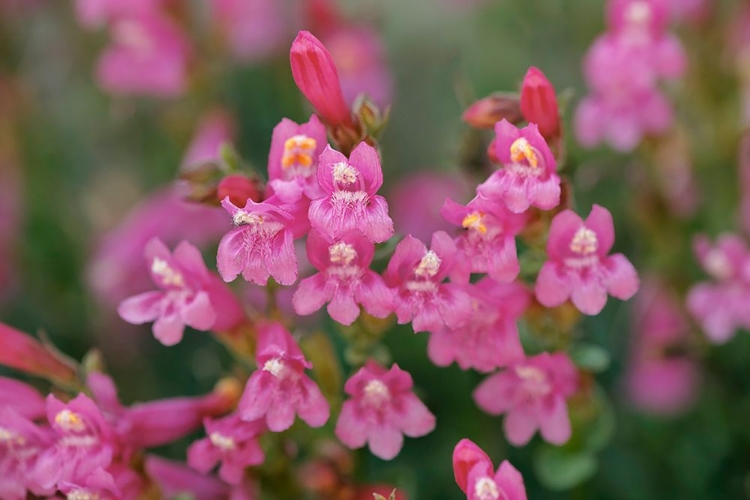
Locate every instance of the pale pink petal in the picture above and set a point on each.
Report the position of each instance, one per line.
(621, 279)
(546, 194)
(417, 420)
(378, 225)
(495, 395)
(519, 426)
(310, 295)
(510, 481)
(328, 158)
(282, 263)
(555, 423)
(168, 329)
(231, 254)
(365, 158)
(199, 313)
(256, 398)
(374, 295)
(589, 296)
(552, 288)
(202, 456)
(506, 133)
(343, 308)
(600, 221)
(313, 408)
(385, 442)
(192, 260)
(349, 429)
(142, 308)
(280, 415)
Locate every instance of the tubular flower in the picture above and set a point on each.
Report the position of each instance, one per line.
(474, 475)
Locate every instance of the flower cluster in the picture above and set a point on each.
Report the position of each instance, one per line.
(623, 69)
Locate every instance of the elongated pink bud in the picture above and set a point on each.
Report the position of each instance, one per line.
(316, 76)
(486, 112)
(539, 103)
(25, 353)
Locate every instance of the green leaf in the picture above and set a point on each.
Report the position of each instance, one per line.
(590, 357)
(559, 469)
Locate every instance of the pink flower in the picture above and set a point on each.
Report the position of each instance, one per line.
(84, 444)
(415, 201)
(23, 352)
(293, 159)
(359, 55)
(149, 56)
(344, 280)
(315, 74)
(175, 479)
(381, 410)
(659, 379)
(488, 243)
(116, 270)
(214, 130)
(579, 267)
(279, 389)
(417, 275)
(189, 295)
(350, 202)
(489, 338)
(474, 475)
(230, 441)
(21, 443)
(262, 242)
(532, 394)
(721, 307)
(254, 29)
(528, 175)
(539, 103)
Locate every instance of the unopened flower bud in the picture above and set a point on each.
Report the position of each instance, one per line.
(239, 188)
(486, 112)
(539, 103)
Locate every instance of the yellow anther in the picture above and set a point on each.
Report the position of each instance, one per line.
(342, 253)
(69, 421)
(475, 221)
(521, 150)
(298, 150)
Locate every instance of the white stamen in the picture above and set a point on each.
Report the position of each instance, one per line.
(717, 264)
(69, 421)
(344, 173)
(82, 495)
(168, 275)
(428, 266)
(342, 253)
(274, 366)
(584, 242)
(244, 218)
(486, 489)
(376, 392)
(225, 443)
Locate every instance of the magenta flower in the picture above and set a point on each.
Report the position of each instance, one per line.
(381, 410)
(84, 444)
(279, 389)
(261, 244)
(528, 175)
(293, 159)
(532, 394)
(721, 307)
(21, 443)
(417, 275)
(489, 337)
(660, 378)
(488, 244)
(474, 475)
(230, 441)
(345, 280)
(579, 267)
(350, 202)
(149, 55)
(189, 295)
(316, 76)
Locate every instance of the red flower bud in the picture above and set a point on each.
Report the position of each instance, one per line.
(24, 352)
(489, 110)
(239, 188)
(316, 76)
(539, 103)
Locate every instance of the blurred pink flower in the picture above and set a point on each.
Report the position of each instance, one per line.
(254, 29)
(279, 389)
(116, 270)
(417, 274)
(350, 202)
(532, 393)
(20, 447)
(98, 13)
(345, 280)
(25, 353)
(175, 479)
(359, 55)
(528, 176)
(489, 337)
(579, 267)
(149, 55)
(215, 128)
(230, 441)
(21, 398)
(474, 475)
(416, 199)
(382, 408)
(721, 306)
(189, 295)
(657, 380)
